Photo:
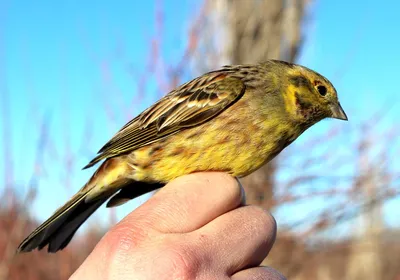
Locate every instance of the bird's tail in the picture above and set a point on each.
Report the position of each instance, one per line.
(108, 181)
(58, 230)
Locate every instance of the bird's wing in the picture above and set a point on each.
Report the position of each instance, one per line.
(189, 105)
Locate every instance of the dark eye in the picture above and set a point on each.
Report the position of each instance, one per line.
(322, 90)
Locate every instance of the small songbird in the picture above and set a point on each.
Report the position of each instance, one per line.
(233, 120)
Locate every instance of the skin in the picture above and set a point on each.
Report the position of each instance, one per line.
(187, 232)
(232, 120)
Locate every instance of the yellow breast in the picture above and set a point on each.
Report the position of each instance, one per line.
(236, 143)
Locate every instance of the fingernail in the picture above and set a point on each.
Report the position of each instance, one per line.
(242, 193)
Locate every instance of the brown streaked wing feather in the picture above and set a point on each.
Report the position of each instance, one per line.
(189, 105)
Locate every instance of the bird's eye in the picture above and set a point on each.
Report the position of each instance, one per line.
(322, 90)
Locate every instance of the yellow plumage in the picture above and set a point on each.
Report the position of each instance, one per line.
(233, 120)
(220, 145)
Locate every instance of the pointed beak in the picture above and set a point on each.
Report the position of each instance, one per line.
(338, 112)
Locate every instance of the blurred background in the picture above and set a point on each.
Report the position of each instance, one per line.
(73, 72)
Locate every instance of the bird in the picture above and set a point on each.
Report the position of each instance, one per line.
(234, 120)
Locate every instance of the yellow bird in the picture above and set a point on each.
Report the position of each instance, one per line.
(234, 120)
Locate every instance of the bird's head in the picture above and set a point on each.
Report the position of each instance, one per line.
(309, 97)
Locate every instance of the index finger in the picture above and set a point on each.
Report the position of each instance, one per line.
(189, 202)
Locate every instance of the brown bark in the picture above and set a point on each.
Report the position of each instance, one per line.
(257, 31)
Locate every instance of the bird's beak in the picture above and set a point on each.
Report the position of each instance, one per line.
(338, 112)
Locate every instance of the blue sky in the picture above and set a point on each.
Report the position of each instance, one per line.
(65, 64)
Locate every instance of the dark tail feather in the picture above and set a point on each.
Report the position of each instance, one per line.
(58, 230)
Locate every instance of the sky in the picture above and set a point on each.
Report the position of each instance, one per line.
(70, 66)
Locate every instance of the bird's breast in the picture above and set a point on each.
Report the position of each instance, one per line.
(238, 144)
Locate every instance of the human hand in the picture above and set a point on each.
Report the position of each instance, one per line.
(195, 227)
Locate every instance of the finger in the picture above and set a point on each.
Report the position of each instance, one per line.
(238, 239)
(258, 273)
(189, 202)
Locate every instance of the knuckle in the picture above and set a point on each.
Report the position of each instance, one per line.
(181, 261)
(122, 238)
(173, 258)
